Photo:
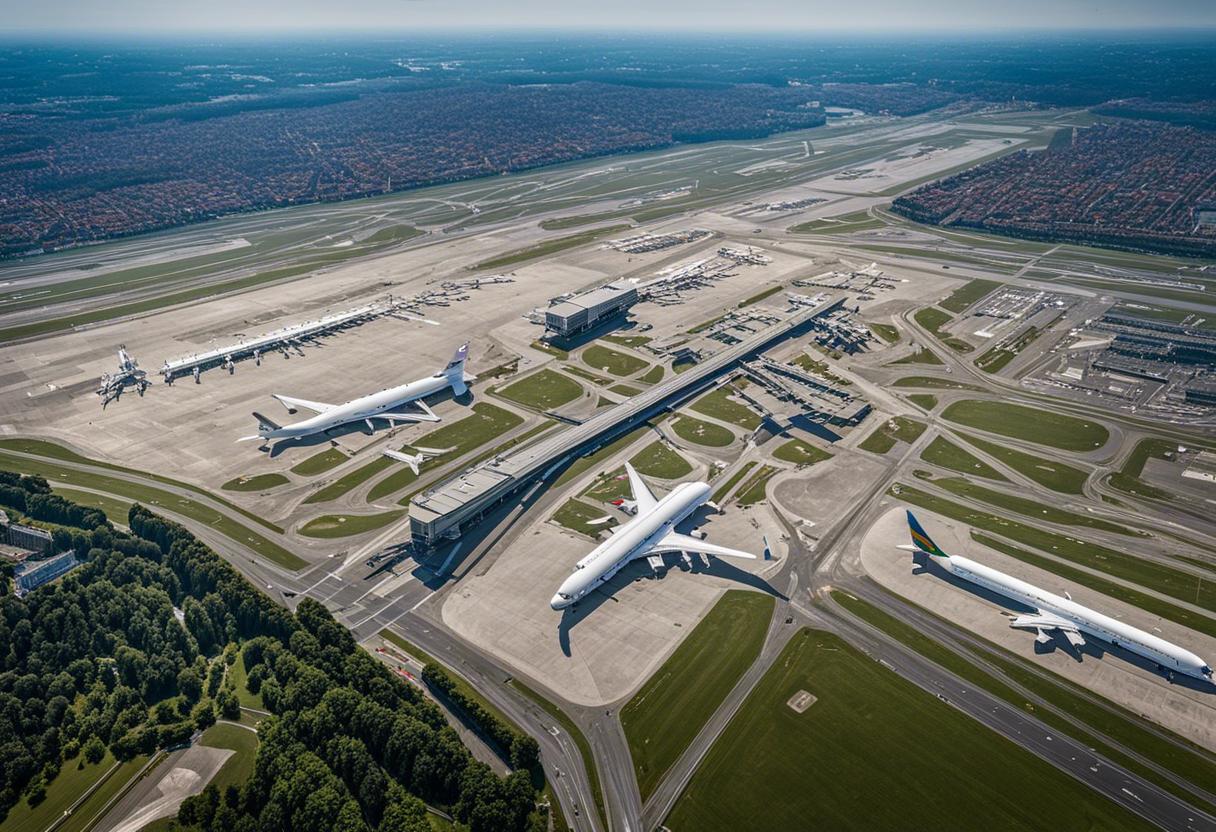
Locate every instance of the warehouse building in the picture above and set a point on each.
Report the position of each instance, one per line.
(586, 310)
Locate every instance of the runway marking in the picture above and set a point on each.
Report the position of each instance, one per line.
(373, 615)
(387, 578)
(328, 575)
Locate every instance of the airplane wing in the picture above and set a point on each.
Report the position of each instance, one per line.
(686, 543)
(295, 404)
(1044, 623)
(641, 493)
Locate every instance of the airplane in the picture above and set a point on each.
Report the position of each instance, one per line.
(415, 460)
(650, 531)
(1053, 613)
(382, 405)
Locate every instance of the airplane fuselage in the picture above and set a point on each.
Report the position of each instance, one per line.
(364, 407)
(633, 539)
(1168, 656)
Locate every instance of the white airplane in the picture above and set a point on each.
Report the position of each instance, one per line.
(382, 405)
(1062, 614)
(651, 530)
(415, 460)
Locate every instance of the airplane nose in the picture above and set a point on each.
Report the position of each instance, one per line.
(557, 602)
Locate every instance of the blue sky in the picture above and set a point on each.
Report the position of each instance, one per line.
(785, 16)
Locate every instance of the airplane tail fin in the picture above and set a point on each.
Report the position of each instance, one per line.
(455, 370)
(921, 540)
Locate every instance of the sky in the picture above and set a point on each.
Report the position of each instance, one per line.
(116, 17)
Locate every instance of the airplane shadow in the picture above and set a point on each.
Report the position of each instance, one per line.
(1093, 647)
(640, 570)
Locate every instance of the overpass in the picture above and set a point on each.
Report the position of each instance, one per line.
(445, 511)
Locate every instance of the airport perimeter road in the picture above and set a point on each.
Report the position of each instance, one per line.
(1075, 759)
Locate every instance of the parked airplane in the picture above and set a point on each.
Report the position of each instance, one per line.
(382, 405)
(650, 531)
(415, 460)
(1063, 615)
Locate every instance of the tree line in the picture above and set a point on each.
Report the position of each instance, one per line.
(129, 653)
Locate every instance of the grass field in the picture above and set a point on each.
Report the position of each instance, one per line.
(943, 452)
(548, 247)
(116, 510)
(576, 516)
(628, 340)
(40, 447)
(585, 375)
(658, 460)
(243, 742)
(800, 453)
(582, 464)
(723, 490)
(557, 352)
(1028, 424)
(693, 682)
(934, 383)
(1138, 571)
(886, 332)
(873, 752)
(73, 780)
(933, 319)
(625, 390)
(756, 298)
(700, 432)
(719, 405)
(247, 698)
(754, 490)
(331, 526)
(967, 294)
(613, 362)
(350, 480)
(154, 498)
(259, 482)
(652, 376)
(1030, 508)
(1048, 473)
(485, 423)
(1127, 479)
(843, 224)
(922, 355)
(609, 485)
(1096, 713)
(88, 813)
(925, 401)
(895, 429)
(319, 463)
(542, 391)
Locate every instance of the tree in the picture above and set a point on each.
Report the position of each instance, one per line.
(204, 715)
(230, 706)
(94, 750)
(190, 684)
(525, 752)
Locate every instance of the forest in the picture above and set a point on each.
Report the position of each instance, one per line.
(131, 651)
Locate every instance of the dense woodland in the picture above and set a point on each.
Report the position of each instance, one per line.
(100, 659)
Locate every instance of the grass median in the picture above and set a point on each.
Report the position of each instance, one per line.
(693, 682)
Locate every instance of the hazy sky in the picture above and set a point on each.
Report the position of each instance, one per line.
(785, 16)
